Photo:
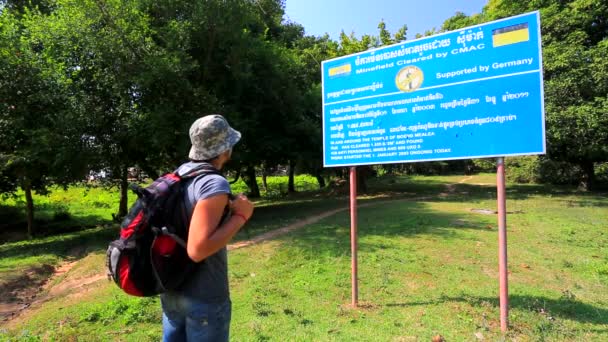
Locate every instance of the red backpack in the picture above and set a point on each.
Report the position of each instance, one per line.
(150, 256)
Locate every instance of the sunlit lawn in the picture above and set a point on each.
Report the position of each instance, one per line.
(426, 266)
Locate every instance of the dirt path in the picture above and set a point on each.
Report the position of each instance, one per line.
(308, 221)
(465, 179)
(450, 189)
(44, 291)
(284, 230)
(71, 285)
(34, 296)
(18, 292)
(33, 287)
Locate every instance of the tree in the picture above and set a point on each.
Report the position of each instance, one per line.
(253, 72)
(401, 34)
(106, 45)
(349, 44)
(40, 141)
(575, 41)
(18, 7)
(306, 136)
(133, 94)
(384, 35)
(458, 21)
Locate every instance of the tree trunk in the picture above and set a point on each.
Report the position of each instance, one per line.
(236, 177)
(291, 188)
(588, 181)
(389, 169)
(363, 172)
(264, 180)
(469, 166)
(124, 191)
(252, 183)
(320, 179)
(29, 203)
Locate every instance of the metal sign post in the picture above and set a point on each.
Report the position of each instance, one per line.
(502, 245)
(353, 234)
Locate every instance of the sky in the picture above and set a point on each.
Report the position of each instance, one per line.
(362, 16)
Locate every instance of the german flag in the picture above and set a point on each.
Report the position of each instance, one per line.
(510, 35)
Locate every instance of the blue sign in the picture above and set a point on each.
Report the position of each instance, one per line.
(472, 93)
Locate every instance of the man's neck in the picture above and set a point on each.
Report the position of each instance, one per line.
(217, 163)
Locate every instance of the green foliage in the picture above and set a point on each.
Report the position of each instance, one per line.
(10, 214)
(575, 37)
(558, 172)
(277, 185)
(601, 170)
(62, 213)
(485, 165)
(384, 35)
(536, 169)
(109, 84)
(40, 136)
(85, 205)
(575, 41)
(522, 169)
(460, 20)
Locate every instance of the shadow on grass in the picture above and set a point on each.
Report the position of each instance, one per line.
(14, 232)
(564, 307)
(465, 191)
(62, 245)
(50, 219)
(274, 215)
(388, 219)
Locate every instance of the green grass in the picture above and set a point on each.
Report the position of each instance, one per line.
(426, 267)
(429, 268)
(277, 185)
(61, 210)
(87, 206)
(91, 206)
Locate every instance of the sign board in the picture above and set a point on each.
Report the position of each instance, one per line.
(471, 93)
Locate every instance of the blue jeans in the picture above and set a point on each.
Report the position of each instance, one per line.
(187, 319)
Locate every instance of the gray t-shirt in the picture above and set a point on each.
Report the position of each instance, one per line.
(209, 282)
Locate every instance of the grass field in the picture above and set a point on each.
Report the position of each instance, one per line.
(427, 267)
(89, 206)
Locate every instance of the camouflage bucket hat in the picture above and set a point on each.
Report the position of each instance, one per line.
(211, 136)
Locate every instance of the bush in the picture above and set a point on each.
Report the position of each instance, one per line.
(601, 173)
(62, 213)
(277, 185)
(485, 165)
(522, 169)
(540, 169)
(11, 214)
(556, 172)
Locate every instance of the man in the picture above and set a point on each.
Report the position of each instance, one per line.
(201, 309)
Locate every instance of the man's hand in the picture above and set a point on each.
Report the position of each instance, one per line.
(241, 205)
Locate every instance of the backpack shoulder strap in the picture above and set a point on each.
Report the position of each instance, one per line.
(202, 169)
